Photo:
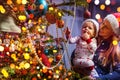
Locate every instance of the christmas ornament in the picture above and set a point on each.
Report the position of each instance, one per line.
(58, 57)
(87, 14)
(60, 23)
(38, 8)
(51, 18)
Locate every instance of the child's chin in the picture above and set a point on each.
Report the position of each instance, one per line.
(83, 33)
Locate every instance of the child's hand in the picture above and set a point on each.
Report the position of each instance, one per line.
(85, 36)
(67, 33)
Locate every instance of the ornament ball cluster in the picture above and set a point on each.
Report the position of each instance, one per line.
(38, 9)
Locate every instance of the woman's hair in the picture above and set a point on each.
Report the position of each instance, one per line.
(112, 54)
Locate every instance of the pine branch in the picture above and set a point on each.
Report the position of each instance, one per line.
(78, 3)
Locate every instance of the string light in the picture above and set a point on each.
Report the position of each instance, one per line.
(102, 6)
(1, 48)
(96, 2)
(118, 9)
(24, 1)
(107, 2)
(97, 16)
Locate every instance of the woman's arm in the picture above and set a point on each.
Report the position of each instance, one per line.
(115, 75)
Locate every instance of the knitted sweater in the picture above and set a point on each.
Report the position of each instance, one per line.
(84, 50)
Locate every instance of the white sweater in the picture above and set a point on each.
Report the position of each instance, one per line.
(84, 51)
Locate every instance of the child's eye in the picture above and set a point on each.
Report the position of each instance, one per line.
(90, 28)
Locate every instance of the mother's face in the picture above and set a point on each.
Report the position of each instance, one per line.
(105, 30)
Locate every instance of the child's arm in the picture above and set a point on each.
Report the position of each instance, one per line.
(73, 39)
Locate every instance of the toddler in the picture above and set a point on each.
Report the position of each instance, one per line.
(86, 45)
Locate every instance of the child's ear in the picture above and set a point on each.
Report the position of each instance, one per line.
(8, 25)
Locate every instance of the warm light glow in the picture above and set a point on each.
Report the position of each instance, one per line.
(24, 1)
(19, 1)
(97, 16)
(102, 6)
(39, 30)
(41, 7)
(43, 27)
(115, 42)
(118, 9)
(26, 56)
(13, 56)
(27, 65)
(24, 28)
(1, 48)
(107, 2)
(51, 8)
(9, 2)
(5, 73)
(54, 51)
(1, 7)
(57, 71)
(59, 14)
(2, 10)
(50, 60)
(22, 17)
(12, 66)
(96, 2)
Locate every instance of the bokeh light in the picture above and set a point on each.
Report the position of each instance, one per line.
(97, 16)
(107, 2)
(118, 9)
(115, 42)
(96, 2)
(102, 6)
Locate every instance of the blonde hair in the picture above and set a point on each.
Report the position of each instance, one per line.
(112, 54)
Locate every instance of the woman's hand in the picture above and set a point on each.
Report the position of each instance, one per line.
(92, 78)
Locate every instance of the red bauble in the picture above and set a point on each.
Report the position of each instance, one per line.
(6, 49)
(51, 18)
(60, 23)
(24, 72)
(58, 57)
(87, 14)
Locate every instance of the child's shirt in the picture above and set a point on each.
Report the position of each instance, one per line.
(83, 49)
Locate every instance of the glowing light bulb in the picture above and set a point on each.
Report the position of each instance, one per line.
(107, 2)
(115, 42)
(96, 2)
(97, 16)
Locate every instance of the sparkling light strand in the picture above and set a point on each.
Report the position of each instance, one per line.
(40, 60)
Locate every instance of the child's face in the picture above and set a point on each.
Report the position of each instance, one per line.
(88, 27)
(105, 29)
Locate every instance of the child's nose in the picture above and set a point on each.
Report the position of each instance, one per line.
(86, 28)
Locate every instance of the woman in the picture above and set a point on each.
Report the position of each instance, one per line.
(107, 55)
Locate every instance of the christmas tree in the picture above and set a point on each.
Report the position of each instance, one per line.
(27, 50)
